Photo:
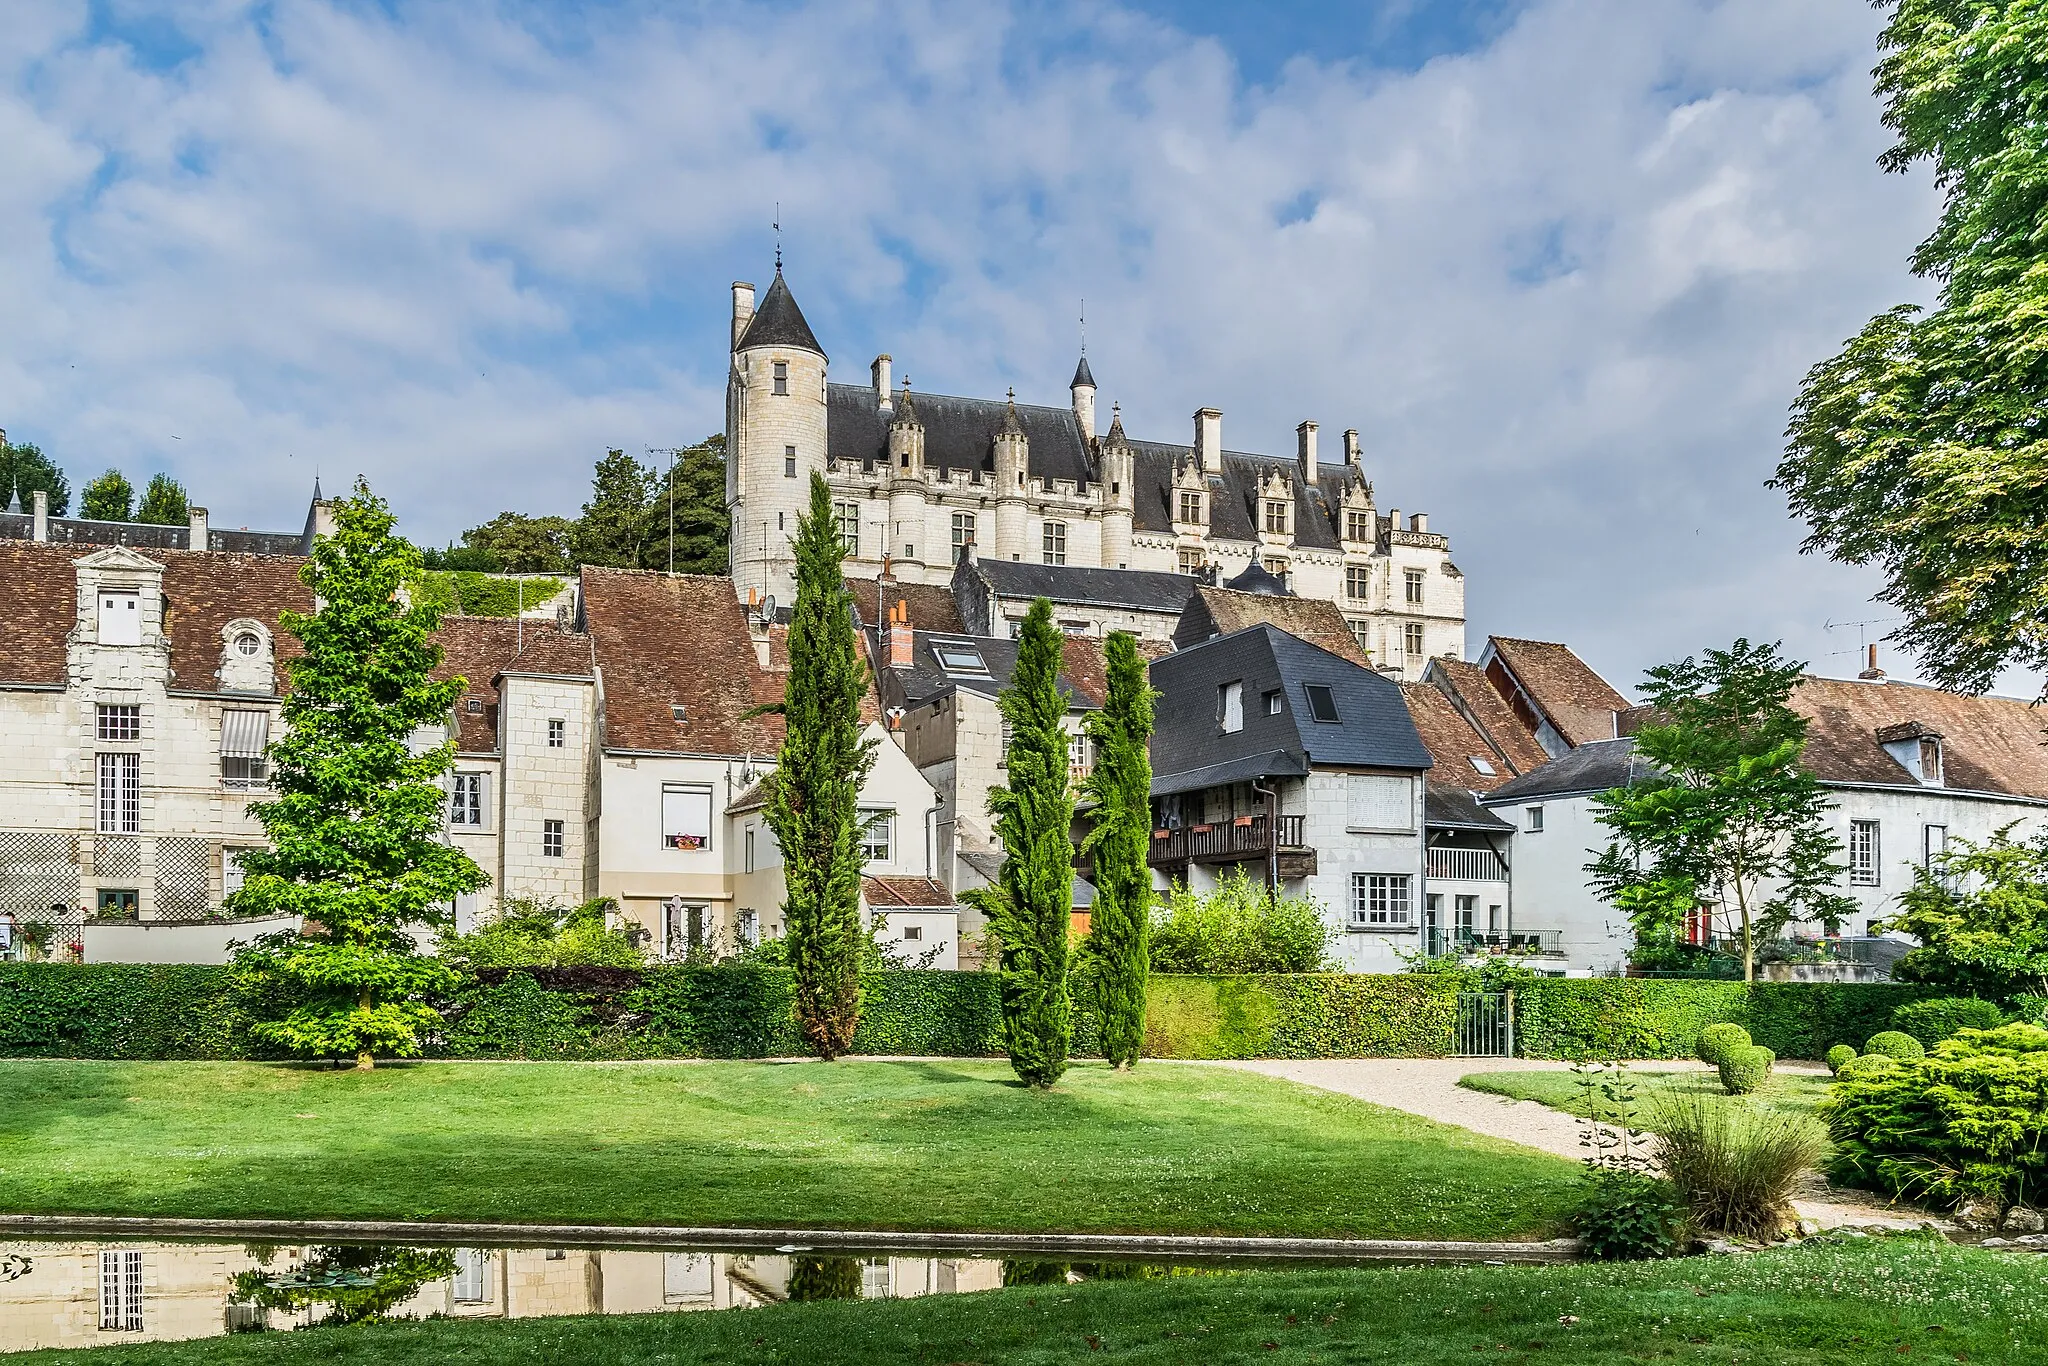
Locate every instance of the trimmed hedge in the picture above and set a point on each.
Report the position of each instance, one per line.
(1628, 1017)
(117, 1010)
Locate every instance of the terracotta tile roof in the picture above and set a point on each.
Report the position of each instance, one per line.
(1577, 702)
(931, 604)
(1085, 667)
(663, 640)
(38, 607)
(1475, 698)
(1452, 741)
(1315, 620)
(1988, 744)
(919, 892)
(480, 648)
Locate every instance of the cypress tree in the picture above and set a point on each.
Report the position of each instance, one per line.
(1121, 787)
(1029, 906)
(813, 804)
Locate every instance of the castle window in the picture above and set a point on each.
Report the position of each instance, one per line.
(557, 732)
(120, 794)
(1191, 507)
(848, 517)
(1357, 581)
(1276, 517)
(906, 460)
(1055, 542)
(120, 722)
(550, 839)
(789, 462)
(782, 377)
(1411, 639)
(1413, 578)
(1361, 632)
(1191, 560)
(1358, 526)
(120, 618)
(963, 535)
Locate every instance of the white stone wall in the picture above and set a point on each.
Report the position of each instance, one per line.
(544, 783)
(1342, 850)
(761, 499)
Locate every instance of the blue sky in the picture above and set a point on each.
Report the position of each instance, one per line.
(1562, 262)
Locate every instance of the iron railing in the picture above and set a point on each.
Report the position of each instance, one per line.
(1467, 865)
(1243, 837)
(1543, 943)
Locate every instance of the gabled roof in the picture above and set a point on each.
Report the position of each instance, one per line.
(931, 604)
(1138, 590)
(482, 649)
(1213, 611)
(1579, 704)
(1596, 766)
(779, 322)
(906, 893)
(1453, 742)
(1475, 699)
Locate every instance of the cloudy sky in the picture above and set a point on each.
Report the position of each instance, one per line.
(1562, 262)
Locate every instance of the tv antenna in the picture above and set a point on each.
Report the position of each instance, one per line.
(671, 452)
(1862, 633)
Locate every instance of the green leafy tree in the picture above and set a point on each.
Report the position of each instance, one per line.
(1030, 906)
(354, 1284)
(1981, 916)
(1238, 927)
(109, 498)
(1722, 810)
(24, 469)
(164, 502)
(814, 802)
(701, 533)
(518, 544)
(1120, 786)
(355, 827)
(1922, 447)
(613, 530)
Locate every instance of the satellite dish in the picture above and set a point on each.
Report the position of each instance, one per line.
(768, 608)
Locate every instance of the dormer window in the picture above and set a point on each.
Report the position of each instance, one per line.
(120, 617)
(248, 644)
(1276, 517)
(1916, 748)
(1930, 760)
(473, 706)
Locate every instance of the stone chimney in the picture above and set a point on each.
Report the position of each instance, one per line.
(1872, 673)
(1209, 440)
(197, 540)
(1305, 451)
(879, 371)
(742, 309)
(1352, 455)
(1419, 522)
(41, 501)
(901, 639)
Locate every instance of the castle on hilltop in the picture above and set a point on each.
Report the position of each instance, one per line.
(922, 481)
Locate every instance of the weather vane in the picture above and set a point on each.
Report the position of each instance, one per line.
(1084, 327)
(777, 225)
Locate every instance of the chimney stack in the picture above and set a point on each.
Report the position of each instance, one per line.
(197, 540)
(41, 502)
(1352, 455)
(1872, 673)
(1419, 522)
(900, 637)
(880, 372)
(1209, 440)
(742, 310)
(1305, 449)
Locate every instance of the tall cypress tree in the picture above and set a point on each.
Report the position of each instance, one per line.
(813, 804)
(1121, 788)
(1029, 906)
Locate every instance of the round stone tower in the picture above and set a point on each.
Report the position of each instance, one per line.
(775, 436)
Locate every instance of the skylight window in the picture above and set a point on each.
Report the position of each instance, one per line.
(1322, 706)
(958, 657)
(1480, 764)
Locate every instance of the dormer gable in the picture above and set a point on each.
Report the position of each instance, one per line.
(1916, 747)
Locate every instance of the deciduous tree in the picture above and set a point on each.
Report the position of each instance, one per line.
(109, 498)
(1981, 916)
(519, 544)
(24, 469)
(613, 529)
(1120, 786)
(165, 503)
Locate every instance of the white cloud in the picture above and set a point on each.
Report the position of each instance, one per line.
(1565, 285)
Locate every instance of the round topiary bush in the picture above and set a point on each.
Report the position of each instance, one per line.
(1893, 1044)
(1743, 1070)
(1869, 1066)
(1943, 1017)
(1717, 1041)
(1838, 1055)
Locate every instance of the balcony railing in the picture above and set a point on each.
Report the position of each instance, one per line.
(1467, 865)
(1539, 943)
(1240, 838)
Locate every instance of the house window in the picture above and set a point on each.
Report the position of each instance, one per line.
(1191, 507)
(1412, 586)
(878, 837)
(782, 377)
(1322, 703)
(749, 864)
(1077, 754)
(550, 839)
(1380, 901)
(1532, 820)
(244, 740)
(1863, 853)
(121, 1291)
(472, 1276)
(1190, 561)
(120, 794)
(1361, 634)
(1273, 703)
(963, 535)
(913, 934)
(1380, 801)
(233, 876)
(1411, 639)
(1357, 581)
(1358, 526)
(120, 723)
(248, 644)
(1930, 761)
(558, 732)
(848, 517)
(789, 462)
(1463, 908)
(1934, 845)
(118, 902)
(1276, 517)
(685, 817)
(1055, 542)
(466, 804)
(747, 927)
(1230, 707)
(120, 618)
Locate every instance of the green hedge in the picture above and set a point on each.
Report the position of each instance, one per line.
(116, 1010)
(1635, 1018)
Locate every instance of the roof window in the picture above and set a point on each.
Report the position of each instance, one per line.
(1322, 704)
(677, 710)
(959, 657)
(474, 706)
(1480, 765)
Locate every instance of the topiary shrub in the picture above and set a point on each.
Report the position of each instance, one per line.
(1717, 1041)
(1967, 1123)
(1943, 1017)
(1894, 1044)
(1868, 1065)
(1743, 1069)
(1839, 1054)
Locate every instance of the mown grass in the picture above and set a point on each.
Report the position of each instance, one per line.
(882, 1145)
(1908, 1299)
(1800, 1092)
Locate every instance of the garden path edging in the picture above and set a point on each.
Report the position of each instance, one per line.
(1075, 1245)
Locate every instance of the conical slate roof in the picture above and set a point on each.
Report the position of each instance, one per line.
(1258, 579)
(779, 322)
(1082, 375)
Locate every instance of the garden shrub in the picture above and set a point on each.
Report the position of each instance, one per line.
(1629, 1017)
(1894, 1044)
(1868, 1065)
(1717, 1041)
(1629, 1216)
(1744, 1069)
(1736, 1166)
(532, 933)
(119, 1010)
(1940, 1017)
(1967, 1122)
(1238, 928)
(1840, 1054)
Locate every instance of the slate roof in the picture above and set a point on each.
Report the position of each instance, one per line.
(959, 434)
(1141, 590)
(1082, 669)
(480, 649)
(1475, 698)
(1213, 611)
(777, 321)
(662, 639)
(1446, 807)
(1579, 704)
(1082, 375)
(1596, 766)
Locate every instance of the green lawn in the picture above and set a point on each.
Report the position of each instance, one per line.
(1796, 1091)
(884, 1145)
(1868, 1300)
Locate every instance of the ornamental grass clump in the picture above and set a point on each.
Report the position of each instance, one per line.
(1717, 1041)
(1894, 1044)
(1743, 1070)
(1838, 1055)
(1736, 1166)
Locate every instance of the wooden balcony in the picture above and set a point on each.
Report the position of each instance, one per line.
(1242, 840)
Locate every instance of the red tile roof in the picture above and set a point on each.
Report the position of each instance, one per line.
(1452, 741)
(1315, 620)
(922, 893)
(479, 649)
(931, 604)
(1475, 697)
(1988, 744)
(1578, 703)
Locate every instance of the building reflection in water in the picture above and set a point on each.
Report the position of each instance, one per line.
(84, 1294)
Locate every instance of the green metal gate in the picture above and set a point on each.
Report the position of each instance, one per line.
(1486, 1024)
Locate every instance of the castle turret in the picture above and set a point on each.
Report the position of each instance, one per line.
(1083, 390)
(1013, 467)
(907, 492)
(1116, 471)
(775, 435)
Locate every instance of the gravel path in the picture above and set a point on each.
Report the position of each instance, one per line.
(1429, 1087)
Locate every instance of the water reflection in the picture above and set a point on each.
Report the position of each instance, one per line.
(86, 1293)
